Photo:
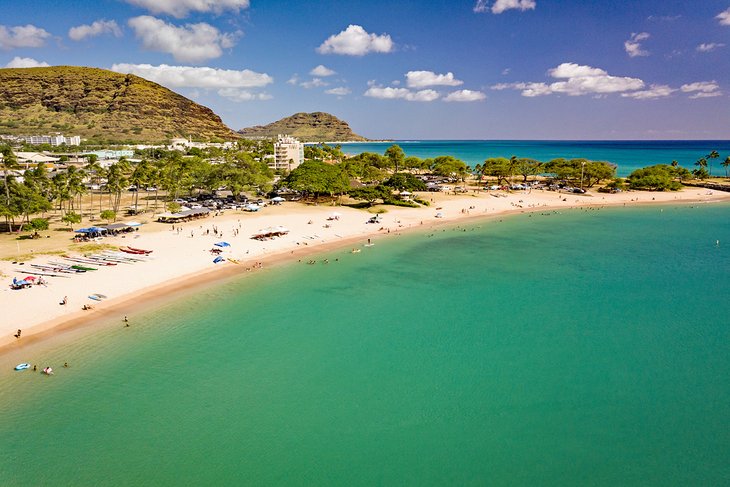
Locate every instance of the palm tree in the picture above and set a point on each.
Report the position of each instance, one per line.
(675, 164)
(725, 164)
(139, 178)
(712, 155)
(7, 162)
(94, 168)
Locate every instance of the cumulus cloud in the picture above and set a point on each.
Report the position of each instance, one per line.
(654, 92)
(339, 91)
(465, 95)
(702, 89)
(313, 83)
(500, 6)
(237, 94)
(709, 47)
(22, 36)
(576, 80)
(390, 93)
(196, 77)
(181, 8)
(724, 17)
(192, 43)
(356, 41)
(322, 71)
(421, 79)
(25, 62)
(633, 45)
(97, 28)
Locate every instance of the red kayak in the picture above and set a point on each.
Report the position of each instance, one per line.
(140, 250)
(132, 251)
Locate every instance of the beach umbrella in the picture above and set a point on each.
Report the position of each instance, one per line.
(277, 199)
(281, 229)
(222, 244)
(335, 215)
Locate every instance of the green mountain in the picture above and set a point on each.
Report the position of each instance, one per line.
(307, 127)
(100, 105)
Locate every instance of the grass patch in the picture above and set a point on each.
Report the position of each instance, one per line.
(377, 210)
(27, 257)
(93, 247)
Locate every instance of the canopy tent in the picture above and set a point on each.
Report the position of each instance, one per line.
(116, 226)
(91, 230)
(133, 224)
(278, 199)
(269, 232)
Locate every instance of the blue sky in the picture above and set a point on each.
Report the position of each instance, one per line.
(440, 69)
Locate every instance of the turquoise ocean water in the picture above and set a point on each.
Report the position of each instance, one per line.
(628, 155)
(572, 349)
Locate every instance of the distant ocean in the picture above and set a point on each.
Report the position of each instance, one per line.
(567, 348)
(628, 155)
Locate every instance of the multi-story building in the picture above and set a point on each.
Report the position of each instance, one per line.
(53, 140)
(288, 153)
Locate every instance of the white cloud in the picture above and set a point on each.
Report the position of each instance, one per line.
(390, 93)
(236, 94)
(506, 71)
(22, 36)
(196, 77)
(293, 80)
(25, 62)
(356, 41)
(578, 80)
(709, 47)
(192, 43)
(500, 6)
(97, 28)
(313, 83)
(322, 71)
(181, 8)
(421, 79)
(724, 17)
(633, 45)
(465, 95)
(702, 89)
(654, 91)
(340, 91)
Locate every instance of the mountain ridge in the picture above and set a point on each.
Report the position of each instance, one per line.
(307, 127)
(100, 105)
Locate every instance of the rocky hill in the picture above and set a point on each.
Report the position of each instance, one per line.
(307, 127)
(100, 105)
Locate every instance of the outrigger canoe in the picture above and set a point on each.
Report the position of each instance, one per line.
(23, 366)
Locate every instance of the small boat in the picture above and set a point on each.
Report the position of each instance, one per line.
(97, 297)
(128, 250)
(48, 370)
(234, 261)
(218, 260)
(22, 366)
(140, 250)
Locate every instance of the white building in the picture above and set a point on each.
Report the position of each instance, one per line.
(54, 140)
(288, 153)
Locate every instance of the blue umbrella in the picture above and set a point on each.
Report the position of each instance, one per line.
(83, 230)
(222, 244)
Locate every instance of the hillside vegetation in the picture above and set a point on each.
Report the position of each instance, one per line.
(307, 127)
(100, 105)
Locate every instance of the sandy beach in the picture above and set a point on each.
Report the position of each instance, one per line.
(181, 257)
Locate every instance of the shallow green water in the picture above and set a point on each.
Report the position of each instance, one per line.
(583, 348)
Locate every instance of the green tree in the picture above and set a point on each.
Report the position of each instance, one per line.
(318, 178)
(725, 164)
(450, 166)
(405, 182)
(712, 155)
(656, 178)
(71, 218)
(370, 194)
(109, 215)
(395, 156)
(497, 167)
(528, 167)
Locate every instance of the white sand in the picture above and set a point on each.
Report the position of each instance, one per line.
(177, 257)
